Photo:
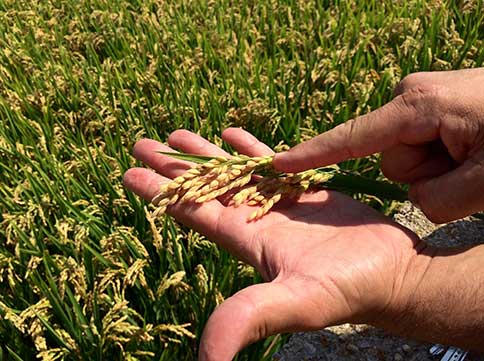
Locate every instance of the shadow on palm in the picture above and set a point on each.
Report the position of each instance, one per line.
(328, 258)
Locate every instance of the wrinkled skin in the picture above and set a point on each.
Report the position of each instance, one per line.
(431, 136)
(328, 259)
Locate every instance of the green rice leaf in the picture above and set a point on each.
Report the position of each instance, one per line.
(13, 354)
(195, 158)
(352, 183)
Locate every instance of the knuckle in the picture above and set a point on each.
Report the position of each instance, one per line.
(426, 99)
(349, 130)
(411, 81)
(429, 203)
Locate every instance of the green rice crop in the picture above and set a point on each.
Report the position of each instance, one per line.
(85, 273)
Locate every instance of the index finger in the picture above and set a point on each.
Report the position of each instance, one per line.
(245, 143)
(410, 118)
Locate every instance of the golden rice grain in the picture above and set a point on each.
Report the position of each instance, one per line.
(207, 181)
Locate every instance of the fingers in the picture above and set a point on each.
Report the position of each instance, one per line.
(258, 312)
(453, 195)
(147, 151)
(189, 142)
(408, 164)
(203, 217)
(147, 183)
(411, 118)
(144, 182)
(245, 143)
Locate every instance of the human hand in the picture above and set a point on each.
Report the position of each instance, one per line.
(431, 136)
(327, 259)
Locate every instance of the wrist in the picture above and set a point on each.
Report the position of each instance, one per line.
(440, 298)
(408, 279)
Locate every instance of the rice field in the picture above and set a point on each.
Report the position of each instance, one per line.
(85, 272)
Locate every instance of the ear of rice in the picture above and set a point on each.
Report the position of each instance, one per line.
(213, 177)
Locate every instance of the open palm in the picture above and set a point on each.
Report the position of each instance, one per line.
(327, 259)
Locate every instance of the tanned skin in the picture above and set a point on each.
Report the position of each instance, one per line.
(328, 259)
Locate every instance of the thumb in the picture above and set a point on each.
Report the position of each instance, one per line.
(406, 119)
(454, 195)
(257, 312)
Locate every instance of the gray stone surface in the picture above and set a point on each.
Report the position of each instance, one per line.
(362, 342)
